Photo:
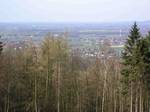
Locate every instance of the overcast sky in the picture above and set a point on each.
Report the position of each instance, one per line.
(74, 10)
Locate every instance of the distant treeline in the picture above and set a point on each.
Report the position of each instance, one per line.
(50, 77)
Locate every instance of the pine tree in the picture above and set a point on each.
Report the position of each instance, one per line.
(131, 45)
(129, 56)
(130, 71)
(144, 48)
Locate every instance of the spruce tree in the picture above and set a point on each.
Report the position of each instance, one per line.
(144, 48)
(130, 58)
(131, 45)
(129, 55)
(130, 61)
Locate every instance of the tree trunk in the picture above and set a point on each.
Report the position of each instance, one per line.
(104, 87)
(115, 102)
(8, 100)
(136, 100)
(131, 98)
(58, 87)
(141, 100)
(35, 94)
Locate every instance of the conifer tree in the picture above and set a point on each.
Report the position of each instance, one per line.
(129, 56)
(144, 48)
(130, 45)
(130, 71)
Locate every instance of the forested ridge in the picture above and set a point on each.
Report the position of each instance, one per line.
(50, 77)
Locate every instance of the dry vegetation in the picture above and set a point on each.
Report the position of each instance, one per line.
(50, 78)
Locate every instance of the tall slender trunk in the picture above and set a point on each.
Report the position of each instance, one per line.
(8, 98)
(78, 102)
(58, 87)
(104, 87)
(87, 84)
(35, 94)
(131, 98)
(136, 100)
(122, 106)
(141, 99)
(115, 102)
(47, 82)
(7, 108)
(97, 101)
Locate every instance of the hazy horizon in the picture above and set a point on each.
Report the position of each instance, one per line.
(94, 11)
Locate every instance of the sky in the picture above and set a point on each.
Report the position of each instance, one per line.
(74, 10)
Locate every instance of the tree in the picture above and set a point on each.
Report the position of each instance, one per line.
(130, 58)
(147, 61)
(144, 70)
(54, 53)
(131, 45)
(136, 61)
(144, 48)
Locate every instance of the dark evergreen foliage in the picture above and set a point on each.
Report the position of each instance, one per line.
(144, 48)
(130, 57)
(136, 58)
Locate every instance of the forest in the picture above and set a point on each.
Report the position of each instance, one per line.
(50, 77)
